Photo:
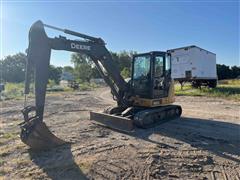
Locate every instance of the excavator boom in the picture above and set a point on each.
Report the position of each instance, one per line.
(34, 131)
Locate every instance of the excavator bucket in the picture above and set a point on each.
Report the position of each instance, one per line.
(37, 136)
(35, 133)
(119, 123)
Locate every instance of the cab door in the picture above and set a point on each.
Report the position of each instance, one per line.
(141, 75)
(161, 76)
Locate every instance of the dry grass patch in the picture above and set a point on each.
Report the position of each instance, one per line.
(228, 89)
(85, 163)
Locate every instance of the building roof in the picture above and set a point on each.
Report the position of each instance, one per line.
(191, 46)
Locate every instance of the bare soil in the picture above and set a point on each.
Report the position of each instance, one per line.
(203, 144)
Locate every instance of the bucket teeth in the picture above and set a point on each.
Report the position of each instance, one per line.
(37, 136)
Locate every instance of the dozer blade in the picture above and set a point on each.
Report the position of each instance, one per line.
(114, 122)
(38, 137)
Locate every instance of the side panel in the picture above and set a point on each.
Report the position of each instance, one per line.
(195, 63)
(206, 64)
(181, 62)
(137, 101)
(198, 63)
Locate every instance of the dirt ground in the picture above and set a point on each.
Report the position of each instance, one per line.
(203, 144)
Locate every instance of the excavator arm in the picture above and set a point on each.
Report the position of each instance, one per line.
(38, 60)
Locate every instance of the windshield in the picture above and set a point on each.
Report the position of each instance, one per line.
(141, 67)
(142, 75)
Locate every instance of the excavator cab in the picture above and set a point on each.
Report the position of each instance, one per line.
(151, 75)
(151, 79)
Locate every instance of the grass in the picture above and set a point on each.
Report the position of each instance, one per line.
(8, 136)
(85, 163)
(13, 90)
(232, 82)
(82, 87)
(5, 138)
(87, 86)
(16, 90)
(55, 89)
(1, 162)
(229, 89)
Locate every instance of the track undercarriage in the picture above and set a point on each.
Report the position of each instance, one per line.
(126, 120)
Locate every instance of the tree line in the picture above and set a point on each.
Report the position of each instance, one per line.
(226, 72)
(12, 68)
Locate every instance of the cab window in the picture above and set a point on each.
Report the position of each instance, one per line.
(159, 66)
(141, 67)
(168, 63)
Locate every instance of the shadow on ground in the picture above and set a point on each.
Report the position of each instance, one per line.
(58, 163)
(220, 138)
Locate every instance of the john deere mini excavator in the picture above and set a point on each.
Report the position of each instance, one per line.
(144, 101)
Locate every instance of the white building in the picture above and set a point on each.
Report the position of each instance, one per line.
(195, 65)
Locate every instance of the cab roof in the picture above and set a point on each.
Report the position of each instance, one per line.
(151, 53)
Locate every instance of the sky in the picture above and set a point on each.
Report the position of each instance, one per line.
(140, 26)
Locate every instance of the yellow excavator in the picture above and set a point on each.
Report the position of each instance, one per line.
(143, 102)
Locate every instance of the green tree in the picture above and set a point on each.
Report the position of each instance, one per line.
(82, 66)
(125, 73)
(13, 68)
(85, 69)
(235, 71)
(123, 59)
(223, 72)
(69, 69)
(77, 58)
(95, 73)
(55, 73)
(83, 72)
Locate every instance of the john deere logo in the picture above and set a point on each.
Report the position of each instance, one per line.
(81, 47)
